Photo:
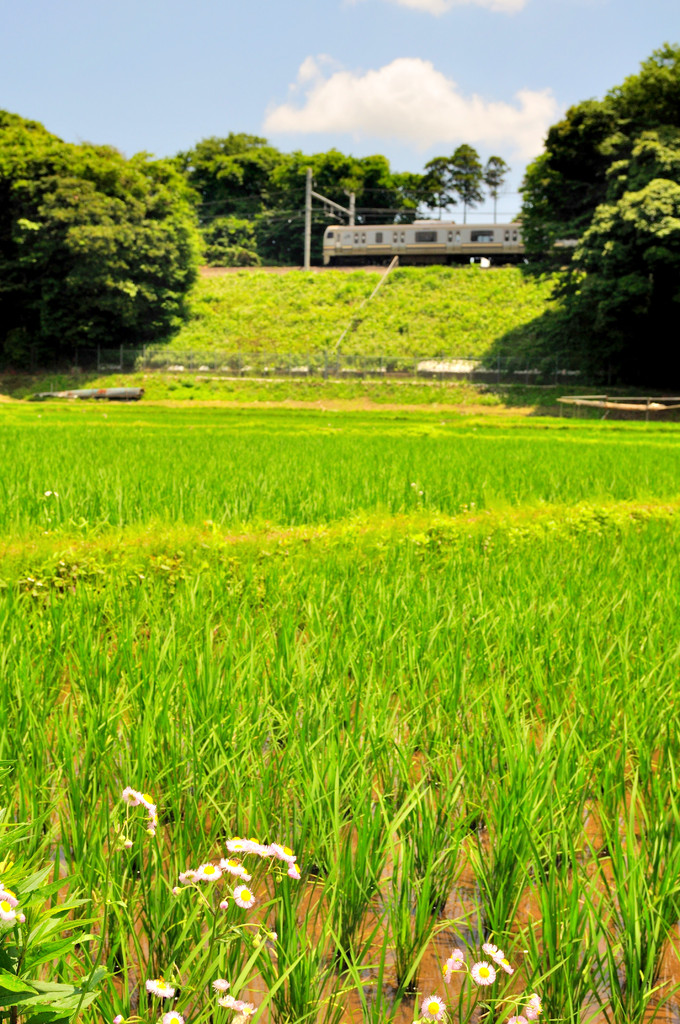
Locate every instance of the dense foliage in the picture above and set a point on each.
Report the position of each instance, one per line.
(609, 180)
(242, 176)
(94, 249)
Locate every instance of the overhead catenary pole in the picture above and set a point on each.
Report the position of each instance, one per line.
(329, 207)
(308, 218)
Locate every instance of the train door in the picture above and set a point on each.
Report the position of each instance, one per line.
(399, 241)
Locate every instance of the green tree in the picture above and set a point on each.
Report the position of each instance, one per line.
(94, 249)
(609, 183)
(456, 178)
(495, 173)
(466, 176)
(232, 176)
(623, 285)
(230, 242)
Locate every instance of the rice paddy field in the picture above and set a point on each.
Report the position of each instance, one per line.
(434, 660)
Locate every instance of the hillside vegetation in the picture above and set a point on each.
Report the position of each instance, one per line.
(418, 311)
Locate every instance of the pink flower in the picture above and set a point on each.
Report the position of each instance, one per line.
(118, 1019)
(294, 872)
(220, 984)
(283, 853)
(517, 1020)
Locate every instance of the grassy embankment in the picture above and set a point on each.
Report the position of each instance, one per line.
(272, 318)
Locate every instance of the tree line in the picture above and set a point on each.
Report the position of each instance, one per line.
(251, 196)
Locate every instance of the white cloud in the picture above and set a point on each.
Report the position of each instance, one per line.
(410, 101)
(442, 6)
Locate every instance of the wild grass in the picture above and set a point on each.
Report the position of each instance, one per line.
(461, 719)
(419, 310)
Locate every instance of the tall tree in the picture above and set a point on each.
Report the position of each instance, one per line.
(466, 176)
(456, 178)
(94, 249)
(495, 173)
(609, 182)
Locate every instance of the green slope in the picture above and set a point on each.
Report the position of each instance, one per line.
(419, 311)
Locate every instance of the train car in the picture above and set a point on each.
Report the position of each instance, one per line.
(423, 241)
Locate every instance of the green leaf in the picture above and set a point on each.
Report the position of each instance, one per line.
(10, 983)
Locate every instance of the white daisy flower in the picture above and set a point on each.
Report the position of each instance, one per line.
(172, 1018)
(131, 796)
(159, 987)
(237, 845)
(243, 896)
(506, 966)
(188, 876)
(148, 802)
(261, 849)
(293, 872)
(208, 873)
(234, 867)
(483, 973)
(220, 984)
(283, 853)
(7, 912)
(517, 1020)
(7, 896)
(433, 1008)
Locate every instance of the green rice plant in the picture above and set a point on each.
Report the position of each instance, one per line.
(563, 940)
(298, 970)
(637, 901)
(411, 901)
(514, 793)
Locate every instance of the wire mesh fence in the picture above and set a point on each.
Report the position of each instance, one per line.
(333, 364)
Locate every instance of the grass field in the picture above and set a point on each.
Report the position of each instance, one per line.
(436, 658)
(419, 311)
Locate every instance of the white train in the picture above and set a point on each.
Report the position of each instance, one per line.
(423, 241)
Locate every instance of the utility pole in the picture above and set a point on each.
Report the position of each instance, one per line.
(308, 218)
(329, 206)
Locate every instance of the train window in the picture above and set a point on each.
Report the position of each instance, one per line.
(395, 237)
(426, 236)
(329, 235)
(402, 238)
(363, 238)
(514, 236)
(481, 236)
(507, 236)
(378, 236)
(457, 237)
(450, 236)
(356, 238)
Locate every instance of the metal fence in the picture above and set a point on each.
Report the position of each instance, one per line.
(335, 365)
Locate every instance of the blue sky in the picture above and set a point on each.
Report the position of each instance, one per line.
(408, 78)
